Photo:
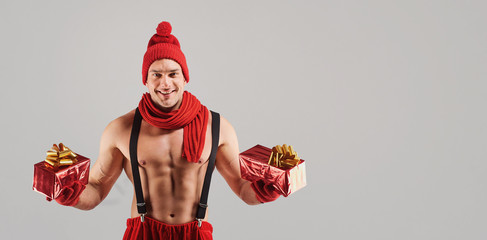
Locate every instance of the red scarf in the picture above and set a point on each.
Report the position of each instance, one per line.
(192, 116)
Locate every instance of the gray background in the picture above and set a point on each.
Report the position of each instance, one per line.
(384, 99)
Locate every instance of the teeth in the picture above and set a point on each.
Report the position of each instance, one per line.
(165, 93)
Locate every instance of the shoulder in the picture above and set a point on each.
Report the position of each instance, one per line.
(119, 126)
(227, 132)
(122, 122)
(225, 125)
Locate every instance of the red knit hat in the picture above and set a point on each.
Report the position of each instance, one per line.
(163, 45)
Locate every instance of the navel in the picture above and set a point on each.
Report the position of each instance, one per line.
(172, 215)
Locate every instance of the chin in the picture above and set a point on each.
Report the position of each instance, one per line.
(168, 106)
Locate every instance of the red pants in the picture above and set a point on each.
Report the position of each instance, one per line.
(153, 229)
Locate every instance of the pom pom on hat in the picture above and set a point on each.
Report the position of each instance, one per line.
(163, 45)
(164, 29)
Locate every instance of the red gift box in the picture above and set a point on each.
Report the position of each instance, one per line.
(50, 181)
(254, 166)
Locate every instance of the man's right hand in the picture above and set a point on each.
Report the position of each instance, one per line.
(69, 195)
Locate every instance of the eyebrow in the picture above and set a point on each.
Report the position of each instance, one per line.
(171, 70)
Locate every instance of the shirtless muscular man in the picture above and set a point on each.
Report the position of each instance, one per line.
(173, 150)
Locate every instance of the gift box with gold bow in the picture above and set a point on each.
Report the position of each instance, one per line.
(280, 166)
(61, 168)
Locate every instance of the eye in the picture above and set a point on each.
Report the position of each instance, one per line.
(156, 75)
(173, 75)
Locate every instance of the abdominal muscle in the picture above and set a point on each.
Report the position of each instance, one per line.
(171, 185)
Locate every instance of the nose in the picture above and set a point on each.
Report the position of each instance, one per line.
(165, 81)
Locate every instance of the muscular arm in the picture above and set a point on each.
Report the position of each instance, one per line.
(106, 169)
(228, 164)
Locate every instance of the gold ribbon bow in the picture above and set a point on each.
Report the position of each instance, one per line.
(60, 156)
(283, 157)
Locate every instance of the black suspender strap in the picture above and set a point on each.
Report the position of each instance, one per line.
(215, 135)
(134, 137)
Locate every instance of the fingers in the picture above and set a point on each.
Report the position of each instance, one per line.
(264, 192)
(70, 195)
(67, 193)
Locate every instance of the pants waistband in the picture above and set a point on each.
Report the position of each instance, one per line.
(132, 222)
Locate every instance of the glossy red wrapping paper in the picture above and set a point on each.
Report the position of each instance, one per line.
(50, 182)
(254, 166)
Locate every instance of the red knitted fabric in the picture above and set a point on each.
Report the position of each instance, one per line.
(163, 45)
(152, 229)
(192, 116)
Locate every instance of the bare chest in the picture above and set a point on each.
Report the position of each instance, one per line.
(160, 151)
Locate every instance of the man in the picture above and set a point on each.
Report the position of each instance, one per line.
(172, 147)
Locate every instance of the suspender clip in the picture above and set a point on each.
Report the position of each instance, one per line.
(142, 217)
(203, 205)
(199, 221)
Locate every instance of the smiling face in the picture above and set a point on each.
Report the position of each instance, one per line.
(165, 82)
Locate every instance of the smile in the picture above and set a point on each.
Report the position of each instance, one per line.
(166, 93)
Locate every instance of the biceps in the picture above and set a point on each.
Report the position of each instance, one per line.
(106, 170)
(228, 165)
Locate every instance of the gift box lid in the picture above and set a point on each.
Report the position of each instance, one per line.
(259, 153)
